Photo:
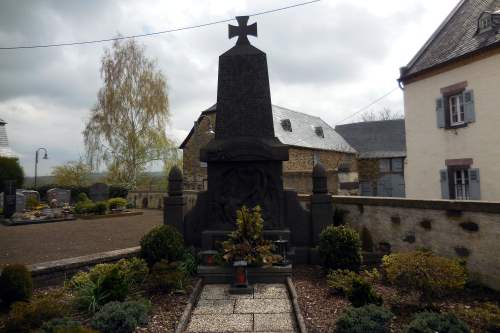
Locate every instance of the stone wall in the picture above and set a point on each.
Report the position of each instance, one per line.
(460, 229)
(301, 181)
(146, 199)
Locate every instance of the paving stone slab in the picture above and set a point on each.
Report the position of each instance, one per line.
(262, 306)
(221, 323)
(220, 292)
(219, 306)
(281, 322)
(270, 291)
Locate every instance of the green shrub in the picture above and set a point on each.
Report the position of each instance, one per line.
(15, 284)
(340, 281)
(422, 271)
(340, 248)
(117, 202)
(118, 317)
(104, 283)
(85, 207)
(431, 322)
(82, 197)
(369, 318)
(60, 324)
(135, 270)
(1, 211)
(31, 203)
(362, 293)
(26, 317)
(485, 316)
(163, 242)
(118, 191)
(167, 277)
(100, 208)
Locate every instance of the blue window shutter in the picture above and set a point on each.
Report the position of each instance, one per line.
(441, 117)
(474, 184)
(470, 113)
(445, 186)
(365, 189)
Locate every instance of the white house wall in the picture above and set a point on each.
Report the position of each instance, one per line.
(429, 146)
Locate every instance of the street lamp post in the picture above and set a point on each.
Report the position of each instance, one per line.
(45, 157)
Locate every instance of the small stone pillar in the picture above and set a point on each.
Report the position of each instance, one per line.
(174, 203)
(321, 203)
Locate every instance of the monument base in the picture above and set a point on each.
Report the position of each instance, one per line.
(224, 274)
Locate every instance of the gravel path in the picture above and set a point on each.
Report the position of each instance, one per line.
(34, 243)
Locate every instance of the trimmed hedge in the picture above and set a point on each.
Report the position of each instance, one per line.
(340, 248)
(163, 242)
(16, 284)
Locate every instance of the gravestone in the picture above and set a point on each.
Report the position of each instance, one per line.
(99, 192)
(62, 196)
(20, 201)
(9, 198)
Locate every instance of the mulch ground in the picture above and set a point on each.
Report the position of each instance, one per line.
(38, 243)
(322, 309)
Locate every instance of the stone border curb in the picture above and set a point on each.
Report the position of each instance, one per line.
(98, 217)
(301, 325)
(186, 315)
(52, 272)
(10, 223)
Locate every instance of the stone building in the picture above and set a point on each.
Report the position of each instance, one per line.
(5, 150)
(381, 147)
(310, 140)
(451, 104)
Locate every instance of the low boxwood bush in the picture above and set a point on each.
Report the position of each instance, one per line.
(362, 293)
(27, 317)
(166, 277)
(340, 248)
(15, 284)
(163, 242)
(422, 271)
(116, 317)
(117, 202)
(135, 270)
(340, 281)
(189, 262)
(100, 208)
(431, 322)
(370, 318)
(85, 207)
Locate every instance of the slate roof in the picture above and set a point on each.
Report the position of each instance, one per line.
(457, 37)
(376, 139)
(303, 132)
(5, 150)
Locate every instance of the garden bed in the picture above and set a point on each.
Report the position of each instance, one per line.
(321, 309)
(10, 222)
(111, 215)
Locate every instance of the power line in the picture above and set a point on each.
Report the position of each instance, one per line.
(152, 33)
(369, 105)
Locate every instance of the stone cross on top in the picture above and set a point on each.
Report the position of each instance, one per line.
(242, 30)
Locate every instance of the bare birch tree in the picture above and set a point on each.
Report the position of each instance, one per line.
(127, 126)
(384, 114)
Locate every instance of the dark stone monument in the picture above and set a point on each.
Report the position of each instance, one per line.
(9, 198)
(175, 202)
(99, 192)
(245, 159)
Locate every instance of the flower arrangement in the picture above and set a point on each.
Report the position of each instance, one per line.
(247, 241)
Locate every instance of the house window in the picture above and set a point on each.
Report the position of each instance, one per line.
(316, 158)
(461, 184)
(456, 108)
(319, 131)
(384, 165)
(286, 124)
(484, 23)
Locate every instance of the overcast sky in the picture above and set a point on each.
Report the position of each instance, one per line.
(327, 59)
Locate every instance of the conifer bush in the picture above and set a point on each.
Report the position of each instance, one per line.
(340, 248)
(340, 281)
(369, 318)
(362, 293)
(163, 242)
(436, 322)
(116, 317)
(16, 284)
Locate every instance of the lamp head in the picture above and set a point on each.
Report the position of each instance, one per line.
(45, 156)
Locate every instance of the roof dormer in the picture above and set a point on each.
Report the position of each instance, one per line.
(287, 125)
(319, 132)
(485, 22)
